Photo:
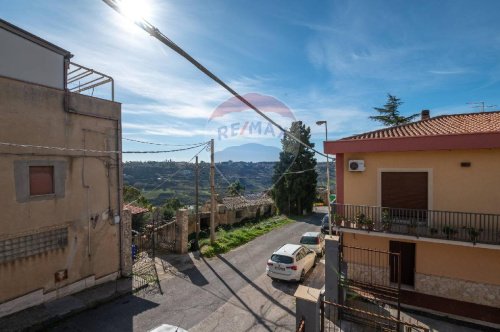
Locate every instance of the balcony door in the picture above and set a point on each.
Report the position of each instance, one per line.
(405, 190)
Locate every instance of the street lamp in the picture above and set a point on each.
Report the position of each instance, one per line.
(319, 123)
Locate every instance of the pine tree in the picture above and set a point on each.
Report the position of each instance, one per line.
(294, 175)
(389, 114)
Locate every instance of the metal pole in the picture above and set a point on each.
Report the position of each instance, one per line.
(322, 313)
(399, 287)
(197, 224)
(212, 192)
(328, 184)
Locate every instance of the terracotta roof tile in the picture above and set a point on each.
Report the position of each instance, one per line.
(453, 124)
(134, 209)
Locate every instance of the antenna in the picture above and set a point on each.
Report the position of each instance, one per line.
(481, 105)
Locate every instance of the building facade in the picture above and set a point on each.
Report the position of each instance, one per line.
(430, 192)
(60, 175)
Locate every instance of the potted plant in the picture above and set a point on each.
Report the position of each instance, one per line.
(369, 224)
(360, 220)
(337, 218)
(386, 220)
(412, 227)
(433, 231)
(449, 232)
(473, 233)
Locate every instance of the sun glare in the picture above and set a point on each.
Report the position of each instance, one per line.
(135, 10)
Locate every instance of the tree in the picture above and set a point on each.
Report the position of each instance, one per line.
(295, 177)
(168, 209)
(235, 188)
(389, 114)
(133, 195)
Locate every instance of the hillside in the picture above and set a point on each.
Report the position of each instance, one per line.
(162, 180)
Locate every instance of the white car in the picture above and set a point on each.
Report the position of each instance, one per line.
(314, 241)
(291, 262)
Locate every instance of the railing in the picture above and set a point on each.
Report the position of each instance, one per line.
(364, 320)
(80, 79)
(447, 225)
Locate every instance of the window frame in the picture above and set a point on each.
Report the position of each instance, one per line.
(22, 179)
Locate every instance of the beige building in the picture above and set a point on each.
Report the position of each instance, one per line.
(429, 191)
(60, 174)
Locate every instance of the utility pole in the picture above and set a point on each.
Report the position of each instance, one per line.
(197, 225)
(212, 192)
(330, 221)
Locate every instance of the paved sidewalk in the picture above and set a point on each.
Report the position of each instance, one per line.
(42, 316)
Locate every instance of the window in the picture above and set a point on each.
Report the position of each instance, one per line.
(41, 180)
(309, 240)
(301, 254)
(282, 259)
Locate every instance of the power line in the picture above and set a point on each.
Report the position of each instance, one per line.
(300, 172)
(165, 151)
(163, 144)
(59, 148)
(155, 32)
(172, 175)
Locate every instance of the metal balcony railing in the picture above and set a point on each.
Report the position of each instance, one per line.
(81, 79)
(446, 225)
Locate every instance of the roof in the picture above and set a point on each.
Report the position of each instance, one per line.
(445, 132)
(35, 39)
(311, 234)
(453, 124)
(287, 249)
(135, 209)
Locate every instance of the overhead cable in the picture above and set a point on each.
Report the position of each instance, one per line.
(155, 32)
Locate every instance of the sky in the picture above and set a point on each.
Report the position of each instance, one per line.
(324, 60)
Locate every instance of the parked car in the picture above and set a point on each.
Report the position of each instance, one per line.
(314, 241)
(324, 225)
(291, 262)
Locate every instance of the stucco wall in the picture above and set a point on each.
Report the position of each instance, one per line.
(453, 188)
(24, 60)
(35, 115)
(445, 270)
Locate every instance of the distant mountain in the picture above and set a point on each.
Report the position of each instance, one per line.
(250, 152)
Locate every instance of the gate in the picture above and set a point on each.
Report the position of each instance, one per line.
(369, 293)
(156, 237)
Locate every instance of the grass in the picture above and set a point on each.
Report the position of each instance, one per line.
(228, 239)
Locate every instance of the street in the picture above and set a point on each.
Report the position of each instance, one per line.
(230, 292)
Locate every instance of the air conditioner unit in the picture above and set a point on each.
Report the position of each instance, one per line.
(356, 165)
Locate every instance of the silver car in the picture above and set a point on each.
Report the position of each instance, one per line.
(314, 241)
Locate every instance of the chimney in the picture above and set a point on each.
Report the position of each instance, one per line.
(426, 115)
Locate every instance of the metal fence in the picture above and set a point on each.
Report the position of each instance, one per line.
(341, 318)
(448, 225)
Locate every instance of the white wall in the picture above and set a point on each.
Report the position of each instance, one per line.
(24, 60)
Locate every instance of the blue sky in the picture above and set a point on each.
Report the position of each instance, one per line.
(326, 60)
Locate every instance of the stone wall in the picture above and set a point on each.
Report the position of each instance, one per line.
(126, 256)
(378, 275)
(462, 290)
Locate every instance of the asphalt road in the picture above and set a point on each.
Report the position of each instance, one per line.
(230, 292)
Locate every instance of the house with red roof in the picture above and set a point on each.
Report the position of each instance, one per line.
(427, 192)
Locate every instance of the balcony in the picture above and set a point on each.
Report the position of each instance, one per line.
(444, 225)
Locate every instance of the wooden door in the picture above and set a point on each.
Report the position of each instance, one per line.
(407, 261)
